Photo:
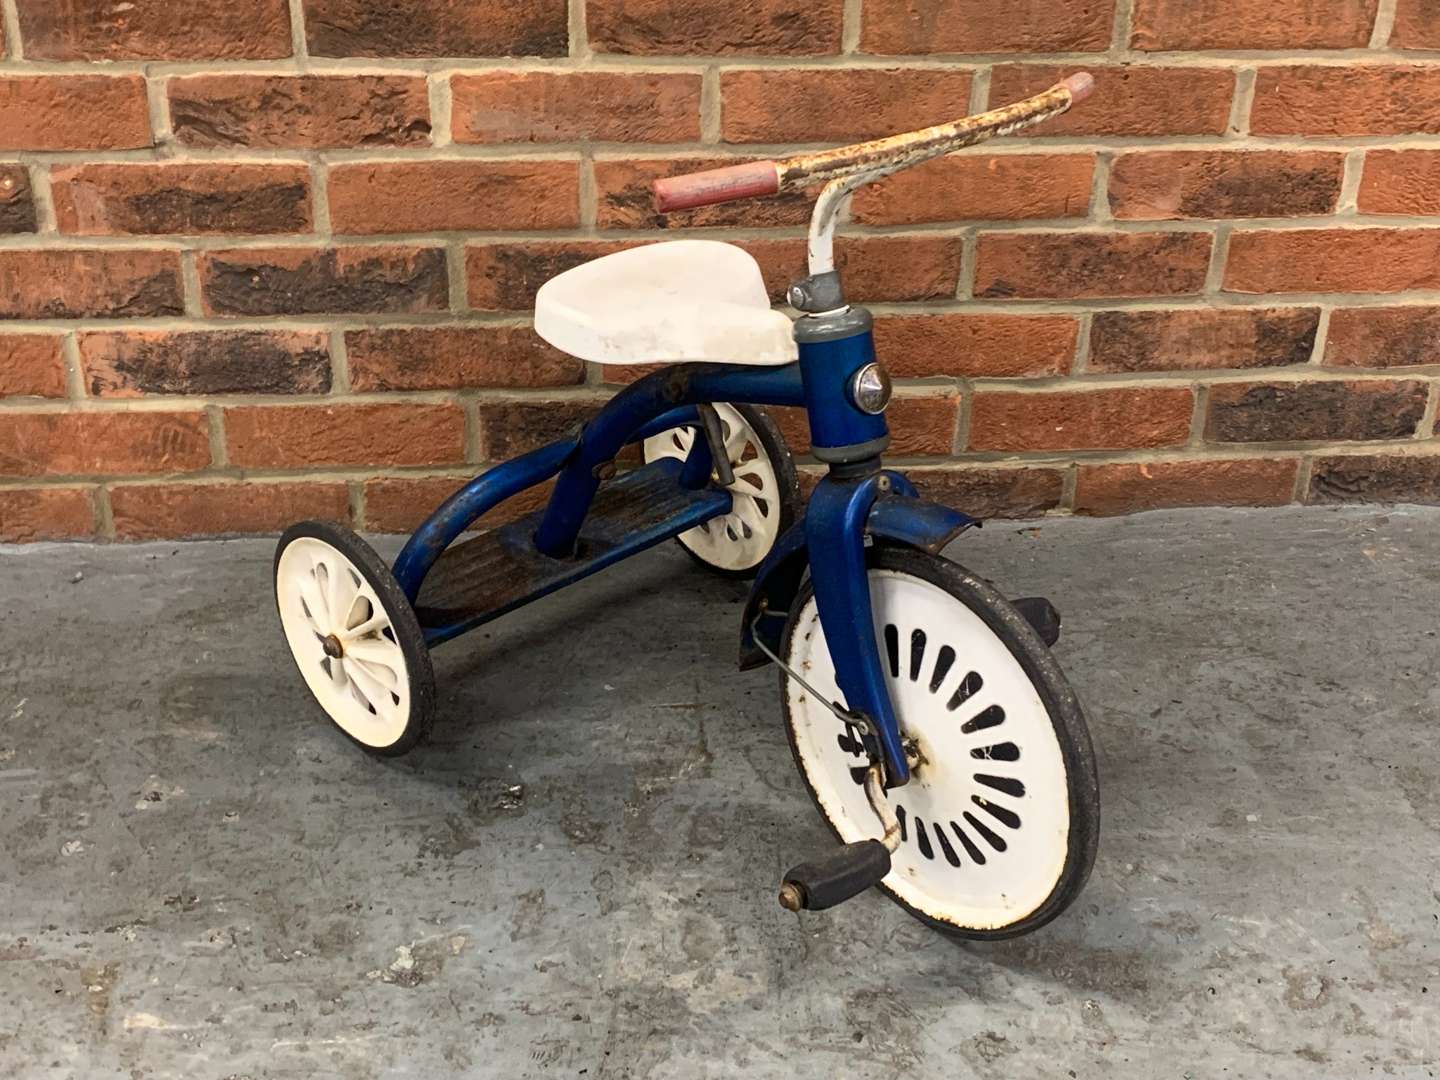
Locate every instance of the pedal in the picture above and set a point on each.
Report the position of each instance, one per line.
(823, 883)
(815, 886)
(1042, 615)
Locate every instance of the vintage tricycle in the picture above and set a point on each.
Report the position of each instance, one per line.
(928, 719)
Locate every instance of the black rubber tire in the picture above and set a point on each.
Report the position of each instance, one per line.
(772, 442)
(1061, 704)
(408, 635)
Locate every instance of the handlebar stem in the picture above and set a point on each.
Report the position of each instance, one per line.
(829, 208)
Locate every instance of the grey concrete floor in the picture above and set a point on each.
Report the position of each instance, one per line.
(200, 879)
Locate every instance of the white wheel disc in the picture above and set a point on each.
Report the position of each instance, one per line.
(741, 539)
(323, 597)
(985, 816)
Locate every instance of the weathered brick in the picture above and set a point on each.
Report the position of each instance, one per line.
(922, 424)
(106, 30)
(296, 436)
(401, 504)
(309, 281)
(103, 443)
(1326, 99)
(424, 196)
(625, 201)
(714, 27)
(173, 511)
(1400, 182)
(829, 104)
(508, 428)
(625, 374)
(1070, 265)
(398, 504)
(83, 284)
(1114, 418)
(73, 112)
(1130, 100)
(557, 106)
(1224, 184)
(1131, 486)
(17, 200)
(424, 28)
(1333, 260)
(1376, 478)
(1417, 25)
(994, 187)
(1191, 339)
(301, 111)
(1251, 24)
(875, 268)
(504, 276)
(991, 492)
(456, 357)
(982, 26)
(195, 198)
(31, 366)
(1383, 337)
(140, 362)
(1314, 411)
(30, 514)
(976, 346)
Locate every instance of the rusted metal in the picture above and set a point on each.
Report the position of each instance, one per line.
(866, 161)
(875, 795)
(850, 167)
(913, 147)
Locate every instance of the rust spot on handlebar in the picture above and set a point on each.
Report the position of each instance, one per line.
(900, 151)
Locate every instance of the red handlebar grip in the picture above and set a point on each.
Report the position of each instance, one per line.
(716, 186)
(1080, 85)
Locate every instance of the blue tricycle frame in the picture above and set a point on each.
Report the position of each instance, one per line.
(983, 723)
(843, 510)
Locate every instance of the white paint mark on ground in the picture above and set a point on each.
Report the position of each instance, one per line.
(145, 1022)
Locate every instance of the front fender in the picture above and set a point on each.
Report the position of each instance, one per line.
(894, 519)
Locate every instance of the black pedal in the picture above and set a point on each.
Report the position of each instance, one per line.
(815, 886)
(1042, 615)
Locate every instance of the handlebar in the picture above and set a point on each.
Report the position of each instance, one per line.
(874, 159)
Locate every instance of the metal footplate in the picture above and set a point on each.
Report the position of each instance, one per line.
(498, 571)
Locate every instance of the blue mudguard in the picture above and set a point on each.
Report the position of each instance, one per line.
(830, 542)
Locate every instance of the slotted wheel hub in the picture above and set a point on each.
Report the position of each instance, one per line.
(343, 641)
(741, 539)
(985, 817)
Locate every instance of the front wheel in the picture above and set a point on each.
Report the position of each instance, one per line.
(1000, 819)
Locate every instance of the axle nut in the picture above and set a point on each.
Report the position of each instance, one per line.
(792, 897)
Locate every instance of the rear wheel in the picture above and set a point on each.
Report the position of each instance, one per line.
(354, 637)
(1000, 818)
(765, 494)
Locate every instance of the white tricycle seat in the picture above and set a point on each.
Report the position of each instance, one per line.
(681, 300)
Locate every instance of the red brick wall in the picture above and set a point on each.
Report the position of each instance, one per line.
(274, 259)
